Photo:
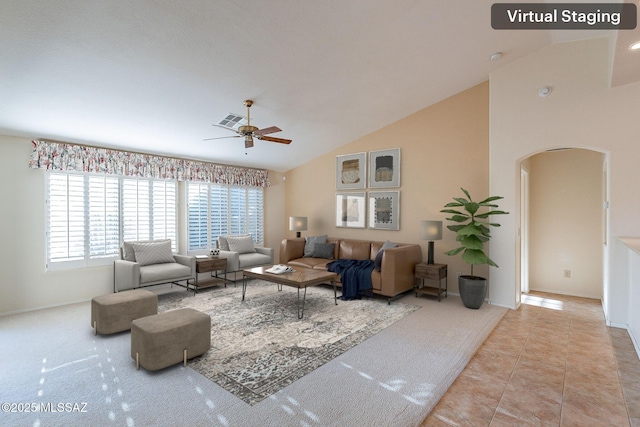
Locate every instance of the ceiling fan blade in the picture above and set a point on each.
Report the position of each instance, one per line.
(272, 129)
(222, 137)
(272, 139)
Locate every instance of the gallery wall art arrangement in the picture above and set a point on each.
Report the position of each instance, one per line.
(353, 172)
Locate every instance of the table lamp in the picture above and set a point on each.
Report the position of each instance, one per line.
(431, 230)
(297, 224)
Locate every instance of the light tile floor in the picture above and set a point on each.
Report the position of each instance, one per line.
(552, 362)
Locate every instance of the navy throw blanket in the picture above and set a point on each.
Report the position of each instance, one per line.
(355, 276)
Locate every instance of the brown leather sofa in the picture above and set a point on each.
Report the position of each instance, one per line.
(396, 274)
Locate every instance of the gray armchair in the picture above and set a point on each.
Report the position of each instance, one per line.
(241, 253)
(130, 272)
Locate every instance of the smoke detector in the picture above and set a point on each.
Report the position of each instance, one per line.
(544, 91)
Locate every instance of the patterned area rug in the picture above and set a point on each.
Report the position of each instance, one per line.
(259, 346)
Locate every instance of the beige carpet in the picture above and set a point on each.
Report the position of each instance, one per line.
(259, 346)
(394, 378)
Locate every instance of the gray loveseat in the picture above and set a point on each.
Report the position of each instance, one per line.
(241, 253)
(151, 262)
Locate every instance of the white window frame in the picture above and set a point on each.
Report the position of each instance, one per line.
(225, 217)
(100, 219)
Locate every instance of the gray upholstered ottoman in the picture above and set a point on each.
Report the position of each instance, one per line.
(113, 313)
(168, 338)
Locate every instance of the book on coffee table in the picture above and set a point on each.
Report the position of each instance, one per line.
(280, 269)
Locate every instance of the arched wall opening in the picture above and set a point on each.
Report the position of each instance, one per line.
(562, 223)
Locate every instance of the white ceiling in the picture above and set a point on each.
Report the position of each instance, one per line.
(153, 76)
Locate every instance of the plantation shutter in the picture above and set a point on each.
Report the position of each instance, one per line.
(66, 214)
(255, 214)
(219, 212)
(238, 208)
(89, 215)
(163, 214)
(104, 219)
(197, 206)
(149, 210)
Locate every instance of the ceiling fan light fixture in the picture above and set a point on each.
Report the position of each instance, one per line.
(248, 141)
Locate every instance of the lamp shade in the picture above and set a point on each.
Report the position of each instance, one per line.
(297, 223)
(431, 230)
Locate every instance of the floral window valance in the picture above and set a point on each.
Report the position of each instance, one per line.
(82, 158)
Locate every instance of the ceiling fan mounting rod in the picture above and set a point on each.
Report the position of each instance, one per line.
(248, 103)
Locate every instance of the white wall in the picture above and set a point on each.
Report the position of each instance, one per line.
(566, 216)
(582, 111)
(24, 284)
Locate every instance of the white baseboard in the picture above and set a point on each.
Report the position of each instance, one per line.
(28, 310)
(510, 307)
(635, 341)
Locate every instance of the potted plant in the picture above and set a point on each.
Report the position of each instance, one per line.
(472, 231)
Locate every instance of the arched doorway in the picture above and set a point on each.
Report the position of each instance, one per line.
(563, 222)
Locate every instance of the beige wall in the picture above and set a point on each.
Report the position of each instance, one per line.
(566, 217)
(443, 147)
(24, 285)
(274, 200)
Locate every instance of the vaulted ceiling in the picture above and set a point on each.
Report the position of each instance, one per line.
(154, 76)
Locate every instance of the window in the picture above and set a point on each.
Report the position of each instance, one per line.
(217, 210)
(89, 215)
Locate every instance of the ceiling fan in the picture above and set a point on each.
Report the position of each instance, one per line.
(249, 132)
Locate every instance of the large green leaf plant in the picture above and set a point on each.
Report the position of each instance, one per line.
(472, 227)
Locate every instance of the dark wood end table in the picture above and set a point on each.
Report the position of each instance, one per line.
(210, 265)
(432, 272)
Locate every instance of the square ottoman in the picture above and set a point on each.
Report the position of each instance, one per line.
(168, 338)
(113, 313)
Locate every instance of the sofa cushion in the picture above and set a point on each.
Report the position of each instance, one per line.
(309, 262)
(241, 244)
(310, 242)
(254, 259)
(164, 272)
(324, 250)
(153, 252)
(355, 249)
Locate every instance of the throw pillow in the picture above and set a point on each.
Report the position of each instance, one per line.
(309, 243)
(377, 263)
(223, 244)
(323, 250)
(153, 252)
(128, 253)
(241, 244)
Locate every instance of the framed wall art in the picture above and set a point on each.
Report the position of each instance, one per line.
(384, 168)
(351, 171)
(384, 210)
(351, 210)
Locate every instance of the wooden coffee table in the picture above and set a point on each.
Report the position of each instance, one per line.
(300, 279)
